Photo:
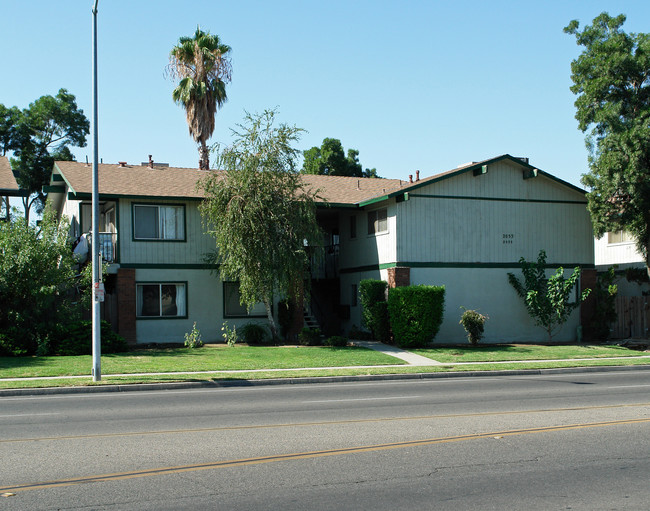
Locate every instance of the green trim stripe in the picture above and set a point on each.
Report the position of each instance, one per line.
(154, 266)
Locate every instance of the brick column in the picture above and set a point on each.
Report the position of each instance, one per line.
(399, 276)
(588, 279)
(126, 304)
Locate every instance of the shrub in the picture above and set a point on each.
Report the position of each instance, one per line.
(193, 338)
(605, 307)
(372, 294)
(359, 335)
(229, 334)
(9, 347)
(336, 341)
(473, 322)
(415, 313)
(255, 334)
(77, 339)
(309, 337)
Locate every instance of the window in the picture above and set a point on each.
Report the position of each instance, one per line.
(353, 227)
(619, 237)
(152, 222)
(378, 221)
(168, 300)
(232, 303)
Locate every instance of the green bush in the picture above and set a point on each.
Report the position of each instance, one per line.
(309, 337)
(605, 304)
(336, 341)
(9, 346)
(415, 314)
(372, 294)
(77, 339)
(474, 323)
(359, 335)
(255, 334)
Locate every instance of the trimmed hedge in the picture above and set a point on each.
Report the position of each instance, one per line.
(415, 314)
(372, 294)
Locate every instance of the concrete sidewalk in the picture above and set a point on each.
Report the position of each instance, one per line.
(411, 358)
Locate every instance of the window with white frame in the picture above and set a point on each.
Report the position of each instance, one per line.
(232, 303)
(378, 221)
(158, 222)
(161, 300)
(619, 237)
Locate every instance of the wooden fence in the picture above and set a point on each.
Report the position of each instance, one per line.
(633, 318)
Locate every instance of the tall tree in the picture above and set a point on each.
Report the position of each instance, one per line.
(259, 214)
(330, 160)
(44, 133)
(203, 66)
(9, 119)
(611, 78)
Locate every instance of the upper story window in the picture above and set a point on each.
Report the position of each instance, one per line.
(153, 222)
(619, 237)
(378, 221)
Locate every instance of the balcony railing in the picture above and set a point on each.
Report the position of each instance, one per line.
(325, 265)
(107, 247)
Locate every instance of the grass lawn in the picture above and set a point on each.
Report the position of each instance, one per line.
(207, 358)
(505, 352)
(323, 361)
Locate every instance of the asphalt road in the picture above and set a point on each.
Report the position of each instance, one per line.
(569, 441)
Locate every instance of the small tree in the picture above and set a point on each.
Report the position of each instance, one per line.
(259, 214)
(548, 300)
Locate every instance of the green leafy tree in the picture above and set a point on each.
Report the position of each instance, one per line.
(261, 217)
(330, 160)
(9, 121)
(36, 277)
(43, 134)
(611, 79)
(203, 67)
(547, 299)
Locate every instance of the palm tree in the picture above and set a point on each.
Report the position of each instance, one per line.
(202, 64)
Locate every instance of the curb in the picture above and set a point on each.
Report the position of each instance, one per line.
(139, 387)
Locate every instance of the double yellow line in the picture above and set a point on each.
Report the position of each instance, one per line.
(10, 490)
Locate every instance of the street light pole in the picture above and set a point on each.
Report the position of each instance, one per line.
(96, 270)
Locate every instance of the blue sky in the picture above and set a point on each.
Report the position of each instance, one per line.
(413, 85)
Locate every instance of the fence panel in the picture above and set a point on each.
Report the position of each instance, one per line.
(633, 318)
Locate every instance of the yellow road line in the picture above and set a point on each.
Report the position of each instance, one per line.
(306, 455)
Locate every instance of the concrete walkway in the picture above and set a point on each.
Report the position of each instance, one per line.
(394, 351)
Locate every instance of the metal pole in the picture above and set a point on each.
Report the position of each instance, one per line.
(96, 273)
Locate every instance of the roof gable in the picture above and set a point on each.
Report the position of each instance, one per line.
(8, 184)
(184, 183)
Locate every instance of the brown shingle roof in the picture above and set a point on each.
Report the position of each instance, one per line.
(174, 182)
(8, 183)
